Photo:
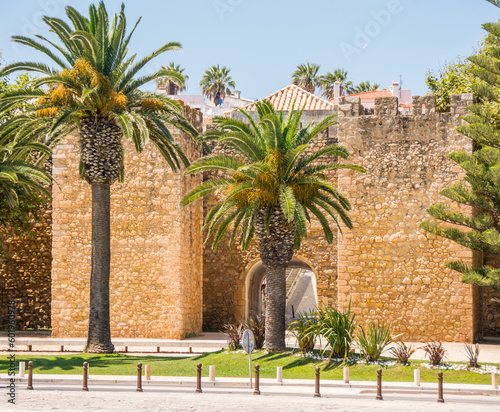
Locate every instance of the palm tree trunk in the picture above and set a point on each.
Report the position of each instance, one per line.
(99, 332)
(275, 308)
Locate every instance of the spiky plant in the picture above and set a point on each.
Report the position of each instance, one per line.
(338, 329)
(216, 83)
(305, 330)
(365, 86)
(271, 187)
(374, 340)
(306, 76)
(95, 89)
(402, 352)
(173, 85)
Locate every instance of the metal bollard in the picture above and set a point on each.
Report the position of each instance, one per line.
(125, 349)
(85, 377)
(257, 373)
(416, 377)
(279, 374)
(62, 348)
(316, 384)
(148, 372)
(494, 380)
(198, 379)
(139, 377)
(440, 387)
(22, 369)
(346, 374)
(30, 348)
(379, 385)
(211, 373)
(30, 375)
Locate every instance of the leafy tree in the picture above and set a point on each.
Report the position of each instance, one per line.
(95, 91)
(216, 83)
(481, 188)
(454, 78)
(173, 85)
(327, 83)
(306, 76)
(365, 86)
(271, 187)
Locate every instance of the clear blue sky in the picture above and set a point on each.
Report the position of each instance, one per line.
(262, 41)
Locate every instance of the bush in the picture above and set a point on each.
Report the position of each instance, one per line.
(374, 341)
(402, 352)
(338, 330)
(472, 352)
(234, 333)
(305, 329)
(257, 324)
(435, 352)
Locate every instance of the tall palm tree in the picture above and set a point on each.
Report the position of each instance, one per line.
(271, 187)
(327, 83)
(216, 83)
(96, 91)
(306, 76)
(173, 86)
(363, 87)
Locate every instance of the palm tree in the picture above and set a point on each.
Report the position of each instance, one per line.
(271, 188)
(95, 90)
(216, 83)
(173, 86)
(327, 83)
(306, 76)
(363, 87)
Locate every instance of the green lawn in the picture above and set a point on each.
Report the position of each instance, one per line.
(231, 364)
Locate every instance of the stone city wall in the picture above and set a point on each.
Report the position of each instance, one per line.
(156, 254)
(388, 268)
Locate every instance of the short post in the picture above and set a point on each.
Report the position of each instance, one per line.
(346, 374)
(148, 372)
(379, 385)
(30, 375)
(190, 350)
(316, 384)
(62, 348)
(494, 380)
(279, 374)
(85, 377)
(22, 369)
(211, 373)
(440, 387)
(158, 349)
(198, 379)
(416, 377)
(139, 377)
(257, 372)
(30, 348)
(125, 349)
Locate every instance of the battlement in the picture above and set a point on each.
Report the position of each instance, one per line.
(350, 106)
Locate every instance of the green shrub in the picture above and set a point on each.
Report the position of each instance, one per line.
(374, 341)
(338, 330)
(305, 330)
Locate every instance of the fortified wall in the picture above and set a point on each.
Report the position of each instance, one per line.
(388, 268)
(156, 250)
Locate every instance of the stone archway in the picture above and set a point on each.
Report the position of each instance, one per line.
(301, 289)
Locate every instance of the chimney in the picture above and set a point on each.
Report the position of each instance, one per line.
(237, 94)
(395, 89)
(336, 90)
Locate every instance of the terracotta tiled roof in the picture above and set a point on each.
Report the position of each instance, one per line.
(284, 99)
(368, 96)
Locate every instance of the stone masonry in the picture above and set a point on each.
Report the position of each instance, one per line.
(156, 263)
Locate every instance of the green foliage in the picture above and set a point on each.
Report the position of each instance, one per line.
(305, 329)
(374, 341)
(173, 85)
(234, 334)
(365, 86)
(435, 352)
(306, 76)
(272, 169)
(402, 352)
(338, 329)
(480, 190)
(453, 78)
(257, 324)
(327, 83)
(216, 83)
